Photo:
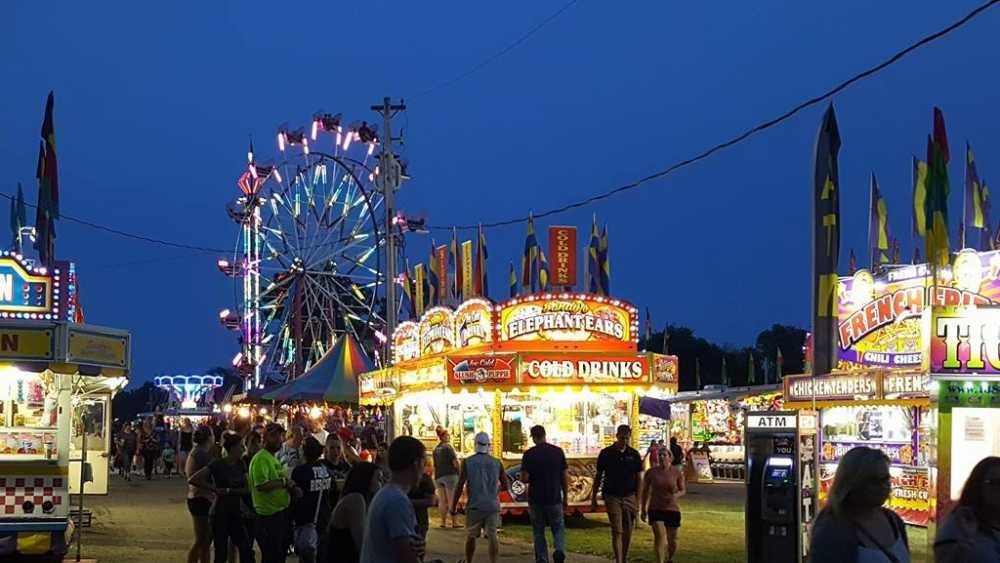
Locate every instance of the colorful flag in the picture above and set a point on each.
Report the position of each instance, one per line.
(919, 197)
(482, 286)
(592, 276)
(48, 188)
(649, 331)
(432, 278)
(15, 219)
(455, 263)
(408, 290)
(513, 281)
(878, 227)
(543, 271)
(419, 290)
(751, 370)
(916, 255)
(987, 239)
(468, 278)
(973, 215)
(605, 263)
(779, 364)
(529, 262)
(826, 240)
(936, 216)
(852, 264)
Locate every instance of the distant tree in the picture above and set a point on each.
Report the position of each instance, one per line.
(791, 340)
(146, 398)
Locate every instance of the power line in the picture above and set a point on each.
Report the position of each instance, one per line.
(743, 136)
(134, 236)
(527, 35)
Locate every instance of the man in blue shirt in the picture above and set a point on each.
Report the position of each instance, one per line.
(390, 530)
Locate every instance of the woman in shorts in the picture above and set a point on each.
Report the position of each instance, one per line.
(661, 487)
(445, 476)
(199, 500)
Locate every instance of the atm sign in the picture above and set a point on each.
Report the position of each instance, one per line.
(771, 421)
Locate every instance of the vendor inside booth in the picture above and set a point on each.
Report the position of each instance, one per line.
(566, 361)
(56, 383)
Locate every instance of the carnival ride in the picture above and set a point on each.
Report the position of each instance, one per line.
(307, 262)
(188, 390)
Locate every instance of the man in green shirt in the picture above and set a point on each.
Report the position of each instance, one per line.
(269, 486)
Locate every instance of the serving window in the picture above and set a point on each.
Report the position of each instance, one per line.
(580, 423)
(29, 410)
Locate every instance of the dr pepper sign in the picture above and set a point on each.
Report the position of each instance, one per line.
(965, 340)
(562, 255)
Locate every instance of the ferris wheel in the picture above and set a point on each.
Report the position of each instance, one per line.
(307, 261)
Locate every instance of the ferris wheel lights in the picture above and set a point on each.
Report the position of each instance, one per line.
(277, 176)
(347, 140)
(315, 129)
(305, 145)
(371, 148)
(281, 141)
(237, 359)
(381, 337)
(224, 313)
(253, 170)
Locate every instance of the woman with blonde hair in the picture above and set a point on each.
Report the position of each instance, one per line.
(854, 527)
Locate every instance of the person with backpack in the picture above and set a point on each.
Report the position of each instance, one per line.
(854, 527)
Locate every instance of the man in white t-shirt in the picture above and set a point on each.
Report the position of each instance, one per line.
(391, 528)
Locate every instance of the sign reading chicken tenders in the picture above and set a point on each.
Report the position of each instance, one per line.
(567, 318)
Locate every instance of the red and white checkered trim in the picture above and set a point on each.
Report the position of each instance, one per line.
(15, 491)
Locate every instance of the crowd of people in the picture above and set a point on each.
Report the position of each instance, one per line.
(340, 494)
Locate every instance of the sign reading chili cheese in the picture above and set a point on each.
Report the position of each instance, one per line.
(556, 369)
(573, 318)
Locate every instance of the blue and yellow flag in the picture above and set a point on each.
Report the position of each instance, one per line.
(919, 197)
(513, 281)
(419, 291)
(481, 286)
(408, 290)
(543, 271)
(605, 263)
(974, 216)
(878, 227)
(592, 264)
(936, 205)
(529, 262)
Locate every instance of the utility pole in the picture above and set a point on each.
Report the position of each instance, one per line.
(389, 179)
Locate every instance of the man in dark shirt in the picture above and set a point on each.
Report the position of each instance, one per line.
(676, 453)
(618, 469)
(543, 468)
(311, 511)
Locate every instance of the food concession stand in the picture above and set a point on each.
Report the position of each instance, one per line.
(57, 378)
(566, 361)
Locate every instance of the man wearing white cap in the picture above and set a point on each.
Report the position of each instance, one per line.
(484, 474)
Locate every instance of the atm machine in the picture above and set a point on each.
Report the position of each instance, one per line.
(780, 470)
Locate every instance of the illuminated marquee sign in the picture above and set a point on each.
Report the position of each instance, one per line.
(665, 369)
(846, 387)
(555, 369)
(482, 370)
(879, 316)
(406, 342)
(473, 323)
(25, 292)
(567, 318)
(437, 332)
(965, 341)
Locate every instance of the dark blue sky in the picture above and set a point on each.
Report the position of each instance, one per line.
(155, 102)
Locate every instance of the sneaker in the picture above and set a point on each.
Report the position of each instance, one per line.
(558, 557)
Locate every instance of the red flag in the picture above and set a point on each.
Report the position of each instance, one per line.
(48, 188)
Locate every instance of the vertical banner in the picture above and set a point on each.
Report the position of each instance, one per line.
(467, 280)
(441, 263)
(418, 300)
(826, 244)
(562, 253)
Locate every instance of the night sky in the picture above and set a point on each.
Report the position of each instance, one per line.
(155, 102)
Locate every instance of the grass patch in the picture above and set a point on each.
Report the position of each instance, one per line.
(712, 530)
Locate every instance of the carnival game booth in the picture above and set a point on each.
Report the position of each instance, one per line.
(566, 361)
(882, 409)
(714, 419)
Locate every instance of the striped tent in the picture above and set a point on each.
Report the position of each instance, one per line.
(334, 378)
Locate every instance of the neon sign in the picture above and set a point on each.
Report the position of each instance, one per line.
(24, 291)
